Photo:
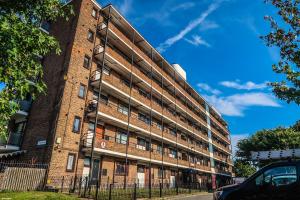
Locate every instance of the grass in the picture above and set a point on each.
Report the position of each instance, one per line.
(35, 195)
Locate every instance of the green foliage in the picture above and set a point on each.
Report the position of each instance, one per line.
(272, 139)
(22, 42)
(286, 38)
(36, 195)
(243, 168)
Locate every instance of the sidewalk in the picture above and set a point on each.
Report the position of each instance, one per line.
(184, 196)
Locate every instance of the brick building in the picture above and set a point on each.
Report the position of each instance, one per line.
(111, 96)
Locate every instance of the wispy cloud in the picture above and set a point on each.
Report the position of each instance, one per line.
(183, 6)
(244, 86)
(165, 13)
(208, 25)
(192, 25)
(197, 40)
(236, 104)
(205, 87)
(125, 7)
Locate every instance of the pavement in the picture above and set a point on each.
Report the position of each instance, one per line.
(201, 196)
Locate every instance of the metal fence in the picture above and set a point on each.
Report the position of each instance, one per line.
(81, 186)
(28, 177)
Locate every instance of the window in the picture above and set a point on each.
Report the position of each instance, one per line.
(159, 126)
(144, 118)
(94, 13)
(142, 144)
(95, 95)
(144, 93)
(123, 109)
(104, 99)
(121, 138)
(173, 132)
(76, 124)
(81, 93)
(90, 36)
(106, 70)
(126, 82)
(159, 149)
(160, 173)
(91, 126)
(86, 162)
(173, 153)
(71, 162)
(86, 61)
(278, 176)
(120, 168)
(104, 172)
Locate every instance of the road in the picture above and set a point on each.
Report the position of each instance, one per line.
(195, 197)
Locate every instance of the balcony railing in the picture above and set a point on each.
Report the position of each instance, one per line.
(147, 59)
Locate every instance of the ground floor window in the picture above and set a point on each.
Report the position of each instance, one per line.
(71, 162)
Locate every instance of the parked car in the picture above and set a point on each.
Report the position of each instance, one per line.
(277, 181)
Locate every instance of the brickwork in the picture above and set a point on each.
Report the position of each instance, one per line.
(52, 116)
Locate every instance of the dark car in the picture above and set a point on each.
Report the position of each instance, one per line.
(277, 181)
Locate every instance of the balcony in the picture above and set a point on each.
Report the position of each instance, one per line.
(114, 33)
(140, 77)
(109, 113)
(12, 144)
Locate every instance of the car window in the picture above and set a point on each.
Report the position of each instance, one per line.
(278, 176)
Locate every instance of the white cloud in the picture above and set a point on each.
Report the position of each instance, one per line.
(183, 6)
(207, 25)
(244, 86)
(125, 7)
(197, 40)
(207, 88)
(193, 24)
(235, 139)
(235, 105)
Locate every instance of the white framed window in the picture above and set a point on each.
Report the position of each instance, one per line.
(82, 91)
(121, 138)
(71, 161)
(123, 109)
(94, 12)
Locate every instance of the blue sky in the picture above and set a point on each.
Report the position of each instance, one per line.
(217, 43)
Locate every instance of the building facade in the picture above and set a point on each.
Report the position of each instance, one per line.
(117, 111)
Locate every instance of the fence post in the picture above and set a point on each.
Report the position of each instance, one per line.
(160, 189)
(80, 184)
(62, 184)
(134, 192)
(85, 186)
(110, 187)
(70, 185)
(176, 185)
(97, 188)
(74, 184)
(190, 185)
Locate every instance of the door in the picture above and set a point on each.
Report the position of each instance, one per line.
(172, 181)
(95, 172)
(141, 176)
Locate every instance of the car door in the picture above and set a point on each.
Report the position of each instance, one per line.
(280, 181)
(274, 183)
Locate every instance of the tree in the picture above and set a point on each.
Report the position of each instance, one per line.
(243, 168)
(22, 43)
(265, 140)
(286, 38)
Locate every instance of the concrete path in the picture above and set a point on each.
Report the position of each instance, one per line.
(202, 196)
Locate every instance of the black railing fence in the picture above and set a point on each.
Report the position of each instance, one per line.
(81, 186)
(28, 177)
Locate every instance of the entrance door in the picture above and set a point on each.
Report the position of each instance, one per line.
(95, 171)
(172, 179)
(141, 176)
